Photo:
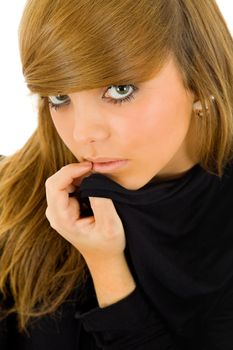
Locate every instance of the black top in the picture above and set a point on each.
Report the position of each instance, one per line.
(179, 236)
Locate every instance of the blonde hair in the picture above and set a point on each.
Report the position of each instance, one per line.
(69, 46)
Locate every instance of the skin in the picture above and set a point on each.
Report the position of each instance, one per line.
(99, 238)
(155, 131)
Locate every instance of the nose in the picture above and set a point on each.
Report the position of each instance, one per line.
(89, 122)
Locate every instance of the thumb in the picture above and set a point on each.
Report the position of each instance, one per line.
(104, 210)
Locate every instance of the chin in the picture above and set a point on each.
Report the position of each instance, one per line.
(132, 185)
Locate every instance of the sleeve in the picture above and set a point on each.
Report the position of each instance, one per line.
(218, 326)
(129, 324)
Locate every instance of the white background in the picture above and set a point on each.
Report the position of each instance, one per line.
(18, 114)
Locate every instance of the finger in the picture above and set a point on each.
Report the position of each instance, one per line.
(69, 173)
(104, 211)
(71, 188)
(77, 182)
(60, 184)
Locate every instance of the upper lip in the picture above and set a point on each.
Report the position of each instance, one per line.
(103, 160)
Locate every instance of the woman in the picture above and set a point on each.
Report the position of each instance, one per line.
(143, 259)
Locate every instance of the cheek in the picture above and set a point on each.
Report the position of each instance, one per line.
(64, 126)
(158, 125)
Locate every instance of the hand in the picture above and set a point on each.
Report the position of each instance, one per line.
(98, 237)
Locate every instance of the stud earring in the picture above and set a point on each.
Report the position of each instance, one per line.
(198, 109)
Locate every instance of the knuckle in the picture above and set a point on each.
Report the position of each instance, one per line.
(58, 222)
(49, 218)
(53, 227)
(47, 213)
(47, 182)
(53, 224)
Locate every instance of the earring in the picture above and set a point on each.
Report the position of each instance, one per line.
(197, 107)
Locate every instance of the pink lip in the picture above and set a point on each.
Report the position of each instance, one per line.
(109, 166)
(103, 160)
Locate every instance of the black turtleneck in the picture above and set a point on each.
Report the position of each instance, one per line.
(179, 236)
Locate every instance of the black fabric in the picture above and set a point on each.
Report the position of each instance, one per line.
(61, 330)
(179, 240)
(179, 237)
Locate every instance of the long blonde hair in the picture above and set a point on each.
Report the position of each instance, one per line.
(69, 46)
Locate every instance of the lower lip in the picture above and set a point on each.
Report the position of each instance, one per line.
(109, 166)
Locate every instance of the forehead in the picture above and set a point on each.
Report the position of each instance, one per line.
(168, 76)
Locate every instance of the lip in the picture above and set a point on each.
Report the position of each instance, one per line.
(109, 166)
(103, 160)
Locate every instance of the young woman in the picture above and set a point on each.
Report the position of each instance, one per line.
(116, 223)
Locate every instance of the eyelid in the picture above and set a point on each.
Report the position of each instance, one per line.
(108, 99)
(61, 103)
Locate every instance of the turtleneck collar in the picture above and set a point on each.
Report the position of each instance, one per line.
(152, 192)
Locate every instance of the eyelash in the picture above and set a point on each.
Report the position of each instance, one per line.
(109, 100)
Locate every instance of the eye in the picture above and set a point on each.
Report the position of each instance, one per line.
(117, 91)
(57, 101)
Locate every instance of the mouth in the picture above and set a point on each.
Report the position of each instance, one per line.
(109, 165)
(102, 160)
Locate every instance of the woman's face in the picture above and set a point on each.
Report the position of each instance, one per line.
(153, 130)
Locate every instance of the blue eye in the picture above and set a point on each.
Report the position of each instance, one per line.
(59, 101)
